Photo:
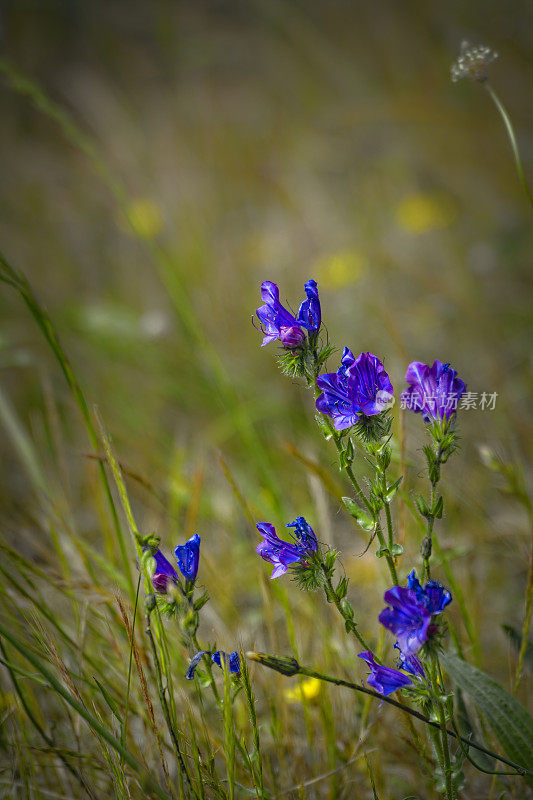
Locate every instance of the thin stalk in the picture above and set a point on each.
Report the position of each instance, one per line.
(337, 603)
(512, 139)
(528, 608)
(165, 708)
(388, 556)
(446, 760)
(250, 701)
(125, 722)
(454, 586)
(229, 731)
(291, 667)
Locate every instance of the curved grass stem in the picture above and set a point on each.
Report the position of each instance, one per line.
(512, 139)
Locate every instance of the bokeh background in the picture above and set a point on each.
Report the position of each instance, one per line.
(232, 142)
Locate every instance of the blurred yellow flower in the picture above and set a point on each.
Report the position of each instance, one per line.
(339, 269)
(306, 690)
(145, 217)
(419, 213)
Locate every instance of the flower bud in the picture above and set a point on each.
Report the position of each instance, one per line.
(150, 602)
(291, 337)
(425, 549)
(286, 665)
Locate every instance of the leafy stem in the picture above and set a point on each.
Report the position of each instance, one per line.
(289, 666)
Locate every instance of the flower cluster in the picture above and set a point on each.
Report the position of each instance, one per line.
(278, 323)
(409, 616)
(473, 62)
(410, 611)
(187, 556)
(283, 554)
(232, 660)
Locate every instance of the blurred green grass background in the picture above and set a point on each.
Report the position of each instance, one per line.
(251, 141)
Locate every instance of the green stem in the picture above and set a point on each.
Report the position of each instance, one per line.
(164, 706)
(388, 556)
(512, 138)
(446, 761)
(528, 609)
(125, 723)
(336, 601)
(290, 667)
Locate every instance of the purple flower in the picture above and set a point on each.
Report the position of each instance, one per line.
(384, 680)
(188, 556)
(433, 391)
(232, 660)
(360, 386)
(410, 611)
(164, 572)
(310, 315)
(282, 554)
(278, 323)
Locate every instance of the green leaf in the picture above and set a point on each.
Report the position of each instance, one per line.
(438, 508)
(342, 588)
(109, 700)
(422, 506)
(397, 549)
(383, 551)
(510, 721)
(366, 522)
(392, 489)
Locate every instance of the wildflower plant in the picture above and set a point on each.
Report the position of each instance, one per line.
(355, 411)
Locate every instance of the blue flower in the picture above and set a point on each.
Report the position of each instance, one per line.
(384, 680)
(188, 556)
(360, 386)
(408, 618)
(310, 315)
(434, 596)
(410, 610)
(193, 663)
(433, 391)
(410, 663)
(282, 554)
(232, 660)
(278, 323)
(304, 533)
(164, 572)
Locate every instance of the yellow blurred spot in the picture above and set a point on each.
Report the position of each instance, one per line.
(306, 690)
(340, 269)
(145, 217)
(419, 213)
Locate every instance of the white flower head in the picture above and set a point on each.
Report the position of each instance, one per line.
(473, 62)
